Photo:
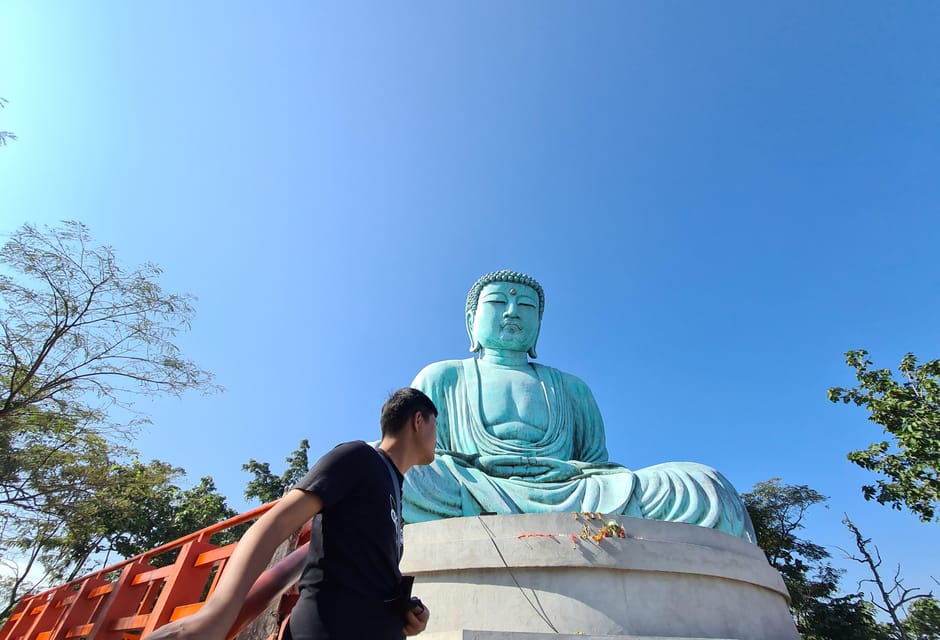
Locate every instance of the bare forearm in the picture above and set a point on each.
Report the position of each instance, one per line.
(250, 558)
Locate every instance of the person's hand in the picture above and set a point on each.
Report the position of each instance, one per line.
(194, 627)
(416, 620)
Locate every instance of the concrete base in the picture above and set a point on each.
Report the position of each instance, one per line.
(523, 577)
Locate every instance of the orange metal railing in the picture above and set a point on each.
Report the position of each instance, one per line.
(130, 599)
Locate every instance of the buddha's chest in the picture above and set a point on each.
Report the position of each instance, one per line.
(513, 403)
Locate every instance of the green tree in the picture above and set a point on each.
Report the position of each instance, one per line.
(136, 508)
(908, 411)
(146, 510)
(79, 336)
(49, 471)
(266, 486)
(848, 617)
(923, 620)
(141, 509)
(5, 135)
(80, 333)
(777, 512)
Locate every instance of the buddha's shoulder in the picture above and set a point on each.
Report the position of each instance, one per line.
(439, 372)
(570, 380)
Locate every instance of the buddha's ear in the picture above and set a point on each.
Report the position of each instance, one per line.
(474, 345)
(532, 353)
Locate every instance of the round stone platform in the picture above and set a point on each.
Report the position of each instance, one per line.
(524, 576)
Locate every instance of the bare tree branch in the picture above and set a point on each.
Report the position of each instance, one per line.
(891, 599)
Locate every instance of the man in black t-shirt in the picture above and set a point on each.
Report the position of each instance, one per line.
(351, 585)
(352, 565)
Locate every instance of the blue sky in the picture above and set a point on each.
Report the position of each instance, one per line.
(720, 199)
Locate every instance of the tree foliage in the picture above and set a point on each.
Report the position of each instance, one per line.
(141, 509)
(777, 512)
(909, 412)
(79, 336)
(80, 333)
(266, 486)
(820, 613)
(846, 617)
(923, 620)
(137, 507)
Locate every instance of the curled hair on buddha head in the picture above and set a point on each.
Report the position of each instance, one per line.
(503, 275)
(401, 407)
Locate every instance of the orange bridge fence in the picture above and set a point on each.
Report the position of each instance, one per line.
(130, 599)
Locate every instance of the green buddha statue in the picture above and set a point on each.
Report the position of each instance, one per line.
(514, 436)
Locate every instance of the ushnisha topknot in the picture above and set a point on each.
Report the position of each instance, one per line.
(503, 275)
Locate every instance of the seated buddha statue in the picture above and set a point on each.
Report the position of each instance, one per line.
(515, 436)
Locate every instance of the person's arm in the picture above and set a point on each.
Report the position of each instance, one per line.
(251, 556)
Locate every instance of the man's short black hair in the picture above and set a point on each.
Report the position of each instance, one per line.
(401, 407)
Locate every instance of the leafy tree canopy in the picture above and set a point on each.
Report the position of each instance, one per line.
(923, 620)
(135, 507)
(142, 508)
(847, 617)
(266, 486)
(79, 336)
(778, 511)
(79, 333)
(908, 410)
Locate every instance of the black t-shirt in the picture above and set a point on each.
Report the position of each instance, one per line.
(352, 566)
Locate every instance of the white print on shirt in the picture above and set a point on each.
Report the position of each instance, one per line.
(399, 531)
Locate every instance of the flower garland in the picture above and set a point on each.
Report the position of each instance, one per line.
(590, 530)
(612, 529)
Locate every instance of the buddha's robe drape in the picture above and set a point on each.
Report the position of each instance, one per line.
(456, 484)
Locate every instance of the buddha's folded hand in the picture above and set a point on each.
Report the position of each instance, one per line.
(534, 468)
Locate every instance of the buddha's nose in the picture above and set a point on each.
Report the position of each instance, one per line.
(510, 311)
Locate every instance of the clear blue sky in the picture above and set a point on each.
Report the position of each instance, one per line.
(720, 199)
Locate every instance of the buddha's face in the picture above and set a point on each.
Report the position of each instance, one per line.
(507, 317)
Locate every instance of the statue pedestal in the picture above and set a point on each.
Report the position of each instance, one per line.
(522, 577)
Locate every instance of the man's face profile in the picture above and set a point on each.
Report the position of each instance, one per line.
(427, 436)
